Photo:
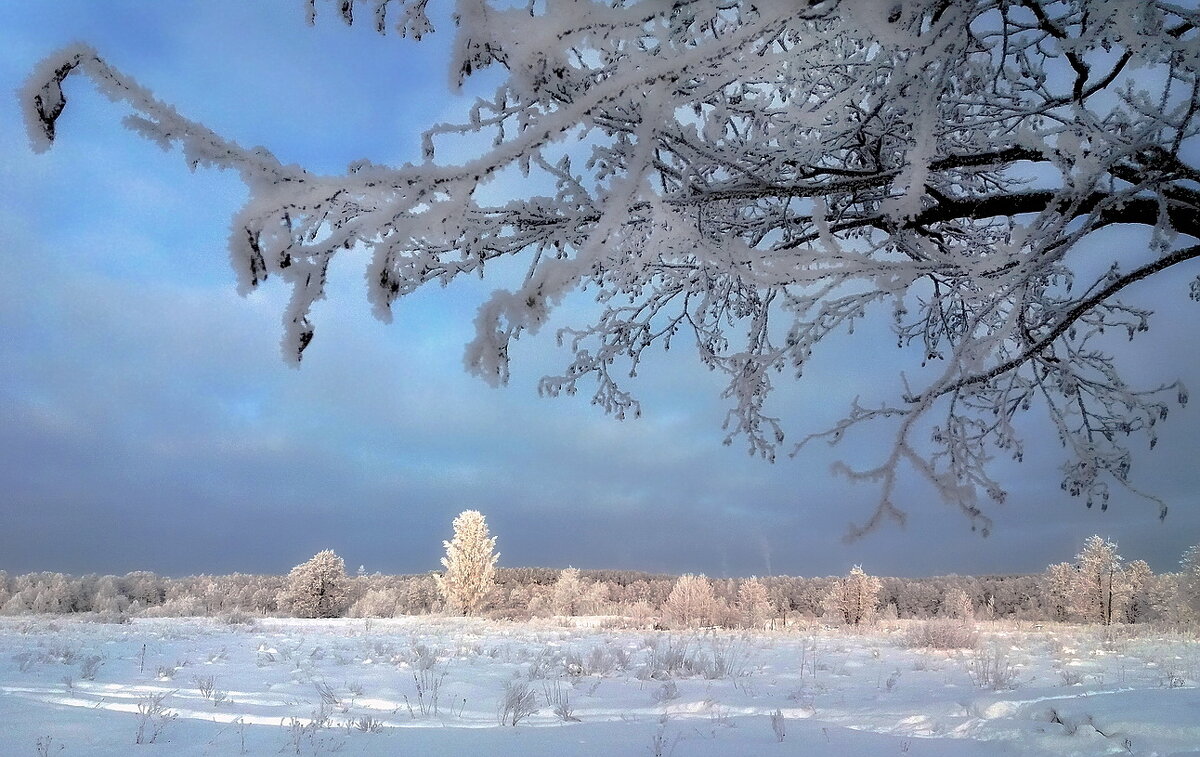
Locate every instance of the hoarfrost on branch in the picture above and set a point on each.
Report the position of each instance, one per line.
(755, 177)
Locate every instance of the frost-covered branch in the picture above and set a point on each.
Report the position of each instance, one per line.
(754, 179)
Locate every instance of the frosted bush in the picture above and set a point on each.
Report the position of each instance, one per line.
(990, 668)
(152, 718)
(368, 724)
(90, 667)
(670, 656)
(516, 703)
(941, 634)
(558, 698)
(667, 692)
(728, 657)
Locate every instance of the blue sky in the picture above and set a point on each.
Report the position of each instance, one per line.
(149, 423)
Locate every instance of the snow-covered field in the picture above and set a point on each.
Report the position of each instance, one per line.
(438, 686)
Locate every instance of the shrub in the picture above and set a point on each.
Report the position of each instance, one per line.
(517, 702)
(941, 634)
(990, 669)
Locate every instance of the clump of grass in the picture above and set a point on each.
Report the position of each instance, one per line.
(368, 724)
(428, 685)
(313, 737)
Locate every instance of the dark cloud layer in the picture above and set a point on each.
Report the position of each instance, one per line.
(148, 422)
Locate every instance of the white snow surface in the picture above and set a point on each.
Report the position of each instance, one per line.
(1064, 690)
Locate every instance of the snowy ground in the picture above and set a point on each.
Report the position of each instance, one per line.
(430, 686)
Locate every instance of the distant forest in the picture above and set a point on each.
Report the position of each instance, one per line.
(631, 598)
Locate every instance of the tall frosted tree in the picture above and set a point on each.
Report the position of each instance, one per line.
(470, 564)
(567, 593)
(318, 588)
(854, 600)
(1097, 590)
(1138, 603)
(691, 603)
(1104, 588)
(1058, 584)
(956, 604)
(1189, 583)
(754, 604)
(759, 178)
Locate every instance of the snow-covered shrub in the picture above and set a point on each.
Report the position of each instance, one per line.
(942, 633)
(313, 737)
(184, 606)
(90, 667)
(516, 614)
(544, 664)
(237, 618)
(516, 703)
(152, 718)
(603, 659)
(672, 656)
(375, 603)
(329, 698)
(639, 614)
(669, 656)
(368, 724)
(989, 668)
(727, 657)
(318, 588)
(558, 698)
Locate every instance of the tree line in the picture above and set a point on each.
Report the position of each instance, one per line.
(1097, 586)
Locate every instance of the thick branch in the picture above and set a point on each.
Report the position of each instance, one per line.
(870, 181)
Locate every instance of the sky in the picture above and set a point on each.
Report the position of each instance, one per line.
(148, 422)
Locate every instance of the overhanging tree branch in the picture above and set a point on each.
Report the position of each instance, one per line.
(760, 177)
